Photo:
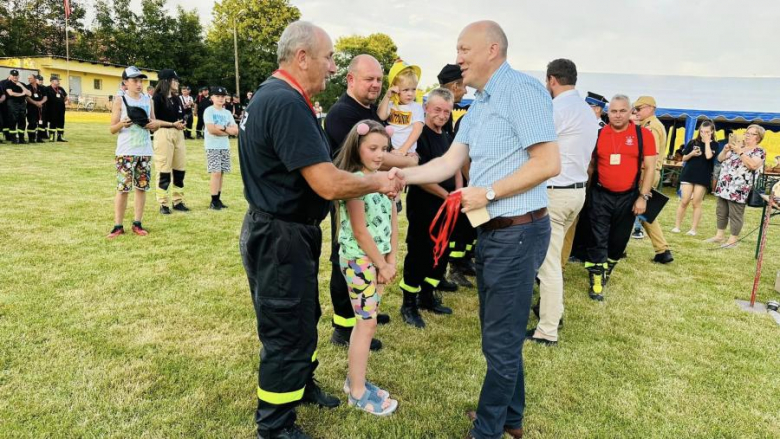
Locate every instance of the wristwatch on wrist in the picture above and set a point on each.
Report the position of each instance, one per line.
(490, 194)
(646, 196)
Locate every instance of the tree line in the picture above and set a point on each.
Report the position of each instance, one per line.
(156, 38)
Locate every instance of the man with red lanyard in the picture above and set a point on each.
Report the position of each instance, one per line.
(616, 197)
(289, 180)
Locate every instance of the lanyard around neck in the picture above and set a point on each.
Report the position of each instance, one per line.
(297, 86)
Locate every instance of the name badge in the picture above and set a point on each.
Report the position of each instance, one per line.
(58, 96)
(614, 159)
(35, 95)
(40, 121)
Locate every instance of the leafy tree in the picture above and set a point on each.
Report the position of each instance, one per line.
(259, 24)
(378, 45)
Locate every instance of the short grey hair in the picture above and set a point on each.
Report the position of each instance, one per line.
(442, 93)
(621, 97)
(497, 35)
(298, 35)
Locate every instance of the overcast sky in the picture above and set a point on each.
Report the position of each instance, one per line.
(666, 37)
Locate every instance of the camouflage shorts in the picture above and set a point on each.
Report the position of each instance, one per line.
(133, 171)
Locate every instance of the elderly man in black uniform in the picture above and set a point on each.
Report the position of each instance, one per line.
(464, 238)
(35, 104)
(289, 179)
(55, 109)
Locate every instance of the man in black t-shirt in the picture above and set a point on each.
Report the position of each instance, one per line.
(421, 278)
(364, 83)
(17, 107)
(289, 180)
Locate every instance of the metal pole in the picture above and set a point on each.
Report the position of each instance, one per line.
(235, 55)
(757, 278)
(67, 55)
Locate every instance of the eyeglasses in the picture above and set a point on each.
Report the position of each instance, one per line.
(640, 108)
(750, 133)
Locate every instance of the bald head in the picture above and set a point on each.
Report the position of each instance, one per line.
(482, 48)
(491, 33)
(364, 79)
(362, 63)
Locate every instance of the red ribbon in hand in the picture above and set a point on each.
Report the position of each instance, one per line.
(441, 239)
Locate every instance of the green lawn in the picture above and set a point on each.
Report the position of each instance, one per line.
(155, 336)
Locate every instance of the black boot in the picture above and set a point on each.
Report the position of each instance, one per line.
(31, 138)
(291, 432)
(60, 139)
(341, 336)
(430, 300)
(610, 266)
(409, 311)
(315, 395)
(596, 275)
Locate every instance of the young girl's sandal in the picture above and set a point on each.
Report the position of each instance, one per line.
(384, 394)
(372, 403)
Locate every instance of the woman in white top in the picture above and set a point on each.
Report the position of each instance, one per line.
(132, 118)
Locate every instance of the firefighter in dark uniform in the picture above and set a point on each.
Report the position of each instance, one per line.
(36, 130)
(3, 112)
(575, 244)
(421, 279)
(17, 107)
(202, 102)
(288, 181)
(464, 237)
(55, 110)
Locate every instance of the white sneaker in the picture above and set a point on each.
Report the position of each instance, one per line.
(675, 230)
(691, 233)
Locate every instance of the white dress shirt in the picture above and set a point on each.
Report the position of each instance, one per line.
(577, 129)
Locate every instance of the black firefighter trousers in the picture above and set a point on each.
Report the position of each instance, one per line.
(281, 260)
(612, 219)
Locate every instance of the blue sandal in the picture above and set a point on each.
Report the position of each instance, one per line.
(371, 397)
(384, 394)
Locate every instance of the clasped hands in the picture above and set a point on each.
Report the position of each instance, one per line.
(472, 197)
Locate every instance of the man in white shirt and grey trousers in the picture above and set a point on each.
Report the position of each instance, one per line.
(577, 131)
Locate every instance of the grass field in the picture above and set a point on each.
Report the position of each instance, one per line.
(155, 337)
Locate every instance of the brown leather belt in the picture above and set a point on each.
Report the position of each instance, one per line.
(508, 221)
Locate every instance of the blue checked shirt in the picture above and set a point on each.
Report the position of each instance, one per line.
(513, 112)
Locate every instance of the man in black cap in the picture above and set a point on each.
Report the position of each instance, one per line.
(17, 107)
(464, 238)
(35, 105)
(597, 103)
(451, 79)
(55, 105)
(202, 102)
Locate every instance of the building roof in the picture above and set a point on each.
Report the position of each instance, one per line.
(77, 60)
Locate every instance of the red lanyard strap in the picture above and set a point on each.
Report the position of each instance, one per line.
(294, 83)
(441, 239)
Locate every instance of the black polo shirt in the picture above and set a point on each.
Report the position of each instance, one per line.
(344, 115)
(56, 98)
(278, 136)
(37, 93)
(430, 145)
(16, 87)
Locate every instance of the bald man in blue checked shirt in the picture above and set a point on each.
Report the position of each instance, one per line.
(509, 134)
